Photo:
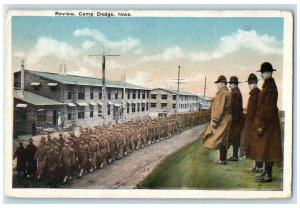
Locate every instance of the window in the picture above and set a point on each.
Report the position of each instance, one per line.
(128, 107)
(134, 94)
(164, 97)
(146, 106)
(91, 93)
(99, 110)
(133, 108)
(53, 88)
(69, 116)
(138, 107)
(153, 96)
(36, 88)
(122, 95)
(174, 105)
(108, 109)
(143, 95)
(100, 93)
(164, 105)
(41, 116)
(143, 106)
(108, 94)
(174, 97)
(116, 94)
(70, 90)
(81, 92)
(128, 94)
(81, 112)
(153, 105)
(139, 94)
(91, 111)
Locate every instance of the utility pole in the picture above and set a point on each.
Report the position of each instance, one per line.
(104, 99)
(178, 80)
(204, 86)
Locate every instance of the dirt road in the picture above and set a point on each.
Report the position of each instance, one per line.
(130, 170)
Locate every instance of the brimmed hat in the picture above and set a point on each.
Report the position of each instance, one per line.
(221, 79)
(266, 67)
(252, 79)
(234, 80)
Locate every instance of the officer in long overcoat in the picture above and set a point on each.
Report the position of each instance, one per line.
(247, 132)
(30, 158)
(267, 140)
(237, 117)
(217, 132)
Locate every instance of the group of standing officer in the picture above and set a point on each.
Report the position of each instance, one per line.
(59, 159)
(256, 135)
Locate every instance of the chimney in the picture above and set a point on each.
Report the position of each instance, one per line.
(22, 79)
(65, 69)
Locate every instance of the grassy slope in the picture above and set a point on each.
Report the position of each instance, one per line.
(190, 168)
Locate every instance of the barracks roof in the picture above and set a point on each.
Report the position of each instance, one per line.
(181, 92)
(81, 80)
(35, 99)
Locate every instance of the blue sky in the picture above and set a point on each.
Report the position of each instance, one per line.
(154, 33)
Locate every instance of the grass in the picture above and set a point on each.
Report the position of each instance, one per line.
(190, 168)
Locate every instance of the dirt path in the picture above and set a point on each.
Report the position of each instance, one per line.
(129, 171)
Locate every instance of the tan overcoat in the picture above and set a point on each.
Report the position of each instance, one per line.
(221, 114)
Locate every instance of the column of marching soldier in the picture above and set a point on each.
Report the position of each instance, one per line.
(258, 135)
(59, 159)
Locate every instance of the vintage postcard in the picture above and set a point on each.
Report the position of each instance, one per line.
(148, 104)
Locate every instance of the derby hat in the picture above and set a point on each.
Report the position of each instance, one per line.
(221, 79)
(234, 80)
(252, 79)
(266, 67)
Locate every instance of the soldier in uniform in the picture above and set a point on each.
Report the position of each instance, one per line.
(94, 151)
(20, 154)
(30, 158)
(104, 150)
(112, 145)
(67, 161)
(40, 157)
(247, 133)
(83, 156)
(217, 132)
(52, 161)
(267, 140)
(237, 118)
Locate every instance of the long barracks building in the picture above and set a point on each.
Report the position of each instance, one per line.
(69, 101)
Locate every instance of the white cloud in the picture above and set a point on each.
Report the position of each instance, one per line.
(19, 54)
(241, 39)
(46, 46)
(140, 78)
(82, 71)
(87, 44)
(123, 45)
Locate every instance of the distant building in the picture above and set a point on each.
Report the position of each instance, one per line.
(205, 102)
(68, 101)
(163, 101)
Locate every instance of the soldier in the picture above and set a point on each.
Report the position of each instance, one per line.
(267, 140)
(120, 141)
(20, 154)
(237, 118)
(104, 150)
(30, 158)
(83, 156)
(216, 135)
(61, 141)
(95, 152)
(112, 145)
(247, 133)
(40, 157)
(67, 161)
(52, 161)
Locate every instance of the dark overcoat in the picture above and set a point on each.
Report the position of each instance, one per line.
(267, 145)
(247, 132)
(237, 117)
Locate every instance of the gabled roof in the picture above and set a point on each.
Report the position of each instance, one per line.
(81, 80)
(181, 92)
(35, 99)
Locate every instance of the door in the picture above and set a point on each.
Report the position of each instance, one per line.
(54, 118)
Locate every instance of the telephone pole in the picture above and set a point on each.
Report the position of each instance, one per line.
(178, 80)
(104, 99)
(204, 86)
